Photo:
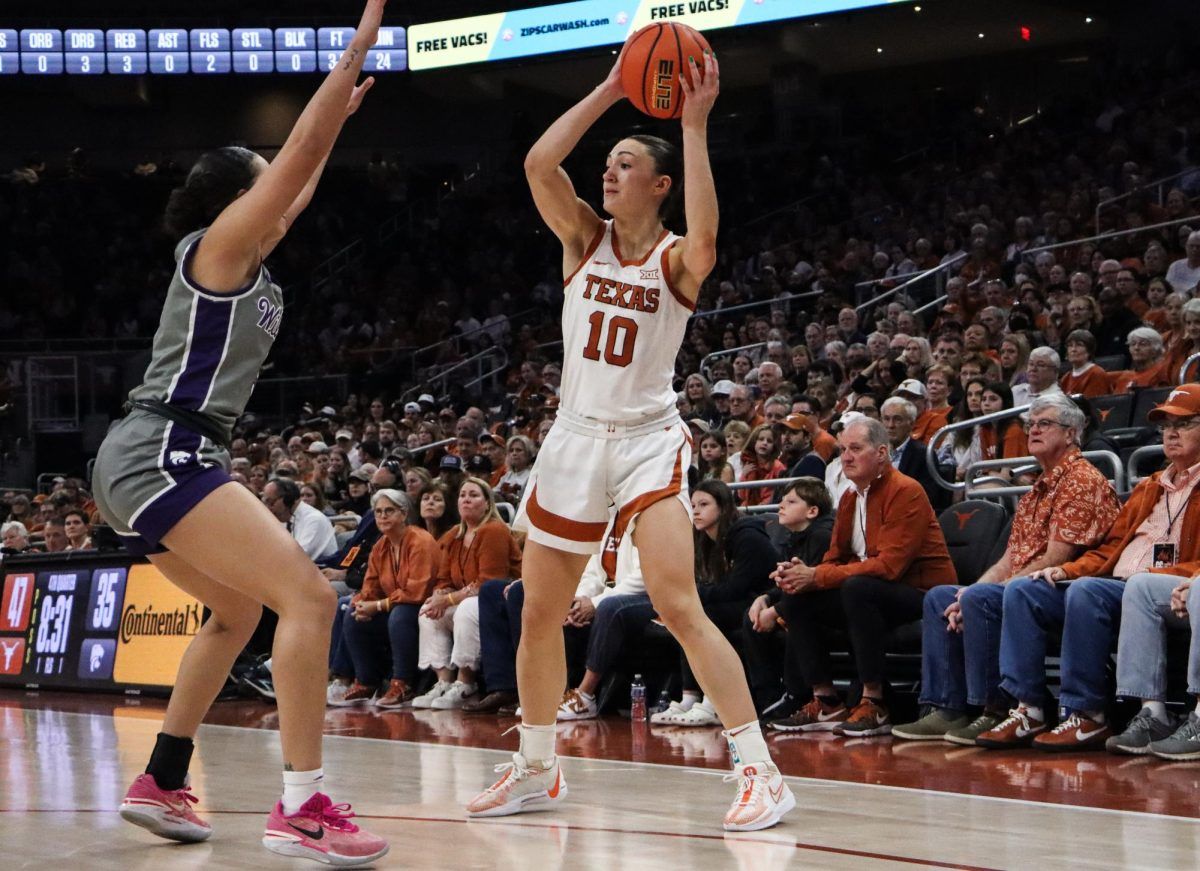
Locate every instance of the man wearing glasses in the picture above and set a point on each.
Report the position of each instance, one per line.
(1069, 509)
(1041, 376)
(1155, 533)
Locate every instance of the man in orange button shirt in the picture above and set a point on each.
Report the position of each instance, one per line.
(1157, 532)
(887, 550)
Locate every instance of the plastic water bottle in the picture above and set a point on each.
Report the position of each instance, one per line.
(637, 699)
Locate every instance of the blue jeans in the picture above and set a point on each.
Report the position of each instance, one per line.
(617, 620)
(392, 636)
(340, 662)
(1087, 611)
(1142, 651)
(962, 668)
(500, 633)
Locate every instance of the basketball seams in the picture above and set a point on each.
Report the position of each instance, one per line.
(645, 107)
(678, 110)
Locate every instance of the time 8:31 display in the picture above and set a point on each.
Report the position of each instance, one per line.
(92, 624)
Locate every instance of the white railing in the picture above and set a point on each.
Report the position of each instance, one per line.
(1187, 365)
(1157, 183)
(977, 487)
(1115, 234)
(725, 352)
(920, 276)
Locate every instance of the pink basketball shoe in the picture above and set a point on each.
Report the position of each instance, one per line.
(166, 813)
(322, 831)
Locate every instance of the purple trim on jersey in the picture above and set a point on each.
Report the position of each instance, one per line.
(135, 545)
(206, 344)
(192, 483)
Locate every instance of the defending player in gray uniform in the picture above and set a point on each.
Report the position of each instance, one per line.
(162, 477)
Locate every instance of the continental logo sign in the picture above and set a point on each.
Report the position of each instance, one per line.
(589, 24)
(184, 621)
(158, 622)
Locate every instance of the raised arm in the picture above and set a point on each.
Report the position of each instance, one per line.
(253, 224)
(569, 218)
(696, 255)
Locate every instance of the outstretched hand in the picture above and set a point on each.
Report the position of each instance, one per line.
(701, 94)
(356, 96)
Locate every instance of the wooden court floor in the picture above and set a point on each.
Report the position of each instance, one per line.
(651, 800)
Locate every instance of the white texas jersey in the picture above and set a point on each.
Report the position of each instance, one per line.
(623, 323)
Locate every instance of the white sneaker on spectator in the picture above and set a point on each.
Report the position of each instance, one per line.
(438, 690)
(575, 706)
(335, 694)
(700, 714)
(454, 697)
(673, 710)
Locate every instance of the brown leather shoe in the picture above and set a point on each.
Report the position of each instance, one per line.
(491, 703)
(398, 692)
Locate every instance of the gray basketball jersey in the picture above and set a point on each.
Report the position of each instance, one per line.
(209, 347)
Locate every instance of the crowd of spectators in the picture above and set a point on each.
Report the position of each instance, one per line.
(811, 359)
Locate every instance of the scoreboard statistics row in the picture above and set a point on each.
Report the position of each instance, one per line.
(203, 51)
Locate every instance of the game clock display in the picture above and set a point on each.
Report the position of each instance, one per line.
(196, 51)
(92, 624)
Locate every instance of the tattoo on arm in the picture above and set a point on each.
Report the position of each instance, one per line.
(351, 58)
(287, 766)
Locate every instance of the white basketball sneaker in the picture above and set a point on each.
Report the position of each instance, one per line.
(763, 798)
(521, 788)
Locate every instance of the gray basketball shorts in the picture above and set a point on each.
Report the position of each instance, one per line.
(149, 473)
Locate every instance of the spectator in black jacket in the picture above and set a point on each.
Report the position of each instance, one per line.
(804, 530)
(908, 455)
(795, 435)
(734, 560)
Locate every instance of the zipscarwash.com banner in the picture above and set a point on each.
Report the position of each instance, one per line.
(590, 23)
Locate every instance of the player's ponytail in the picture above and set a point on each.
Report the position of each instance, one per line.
(213, 184)
(668, 161)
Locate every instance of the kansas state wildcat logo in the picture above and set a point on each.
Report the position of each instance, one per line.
(270, 317)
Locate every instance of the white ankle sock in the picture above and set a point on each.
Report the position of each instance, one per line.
(1034, 713)
(587, 697)
(1158, 710)
(299, 786)
(689, 698)
(747, 745)
(537, 744)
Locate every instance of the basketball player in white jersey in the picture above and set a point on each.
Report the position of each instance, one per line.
(630, 286)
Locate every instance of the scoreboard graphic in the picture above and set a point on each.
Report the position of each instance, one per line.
(195, 51)
(92, 623)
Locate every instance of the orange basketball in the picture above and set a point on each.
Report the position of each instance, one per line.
(655, 58)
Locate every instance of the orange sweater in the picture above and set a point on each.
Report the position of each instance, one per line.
(493, 554)
(1126, 380)
(1014, 442)
(1093, 382)
(930, 421)
(824, 444)
(903, 539)
(406, 580)
(1102, 559)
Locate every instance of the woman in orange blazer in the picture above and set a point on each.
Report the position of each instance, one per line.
(480, 548)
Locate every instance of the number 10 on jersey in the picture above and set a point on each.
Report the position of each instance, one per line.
(621, 334)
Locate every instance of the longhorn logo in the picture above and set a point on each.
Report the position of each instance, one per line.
(964, 517)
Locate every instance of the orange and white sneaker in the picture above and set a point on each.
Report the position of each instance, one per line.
(763, 798)
(521, 788)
